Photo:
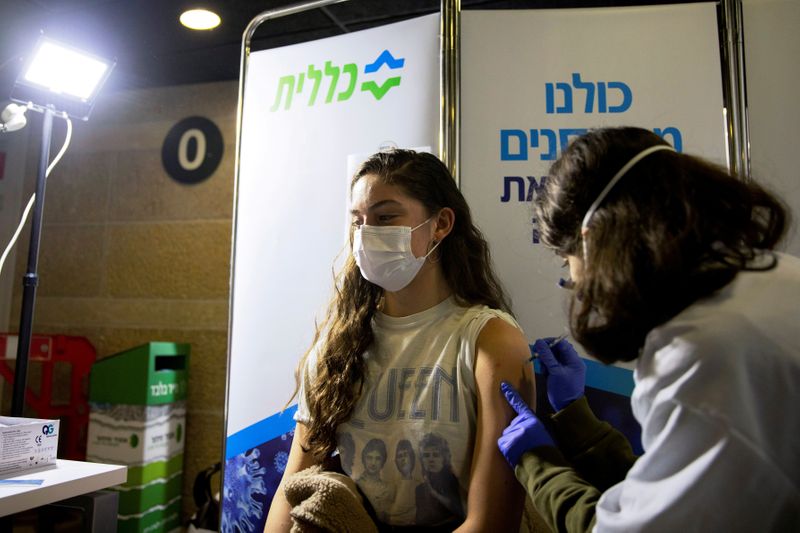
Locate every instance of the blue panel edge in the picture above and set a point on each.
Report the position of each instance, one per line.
(609, 378)
(260, 432)
(604, 377)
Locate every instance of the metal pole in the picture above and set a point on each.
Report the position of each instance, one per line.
(450, 86)
(737, 127)
(31, 278)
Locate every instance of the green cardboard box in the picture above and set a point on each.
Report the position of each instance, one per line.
(137, 401)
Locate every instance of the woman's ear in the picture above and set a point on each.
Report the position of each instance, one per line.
(444, 223)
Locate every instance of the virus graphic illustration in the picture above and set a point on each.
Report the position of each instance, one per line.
(280, 460)
(244, 482)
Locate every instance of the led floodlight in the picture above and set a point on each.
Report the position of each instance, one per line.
(61, 77)
(57, 81)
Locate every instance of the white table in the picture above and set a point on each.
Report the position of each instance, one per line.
(65, 480)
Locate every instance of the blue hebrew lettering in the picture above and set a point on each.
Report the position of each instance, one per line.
(535, 237)
(627, 97)
(522, 140)
(601, 97)
(534, 188)
(567, 107)
(565, 133)
(386, 58)
(677, 139)
(550, 98)
(552, 143)
(586, 86)
(534, 138)
(507, 181)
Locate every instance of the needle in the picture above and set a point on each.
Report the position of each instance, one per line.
(550, 344)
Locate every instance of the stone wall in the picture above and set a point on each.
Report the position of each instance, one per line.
(128, 255)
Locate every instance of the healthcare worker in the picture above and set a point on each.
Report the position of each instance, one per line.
(673, 268)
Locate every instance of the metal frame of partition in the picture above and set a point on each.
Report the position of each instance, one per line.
(731, 29)
(247, 37)
(450, 87)
(448, 140)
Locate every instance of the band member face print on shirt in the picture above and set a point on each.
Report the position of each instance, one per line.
(404, 507)
(347, 451)
(379, 493)
(432, 460)
(373, 463)
(438, 497)
(405, 459)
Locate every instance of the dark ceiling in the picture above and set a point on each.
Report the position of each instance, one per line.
(153, 49)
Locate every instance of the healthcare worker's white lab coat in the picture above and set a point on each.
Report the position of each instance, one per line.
(718, 397)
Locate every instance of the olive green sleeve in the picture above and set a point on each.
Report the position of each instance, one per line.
(565, 484)
(564, 500)
(599, 453)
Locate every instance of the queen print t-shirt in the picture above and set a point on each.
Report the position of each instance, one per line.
(409, 442)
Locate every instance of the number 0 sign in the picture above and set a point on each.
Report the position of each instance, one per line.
(192, 150)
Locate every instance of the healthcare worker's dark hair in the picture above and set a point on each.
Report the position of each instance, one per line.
(346, 333)
(674, 229)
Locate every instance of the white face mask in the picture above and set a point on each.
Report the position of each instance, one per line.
(383, 253)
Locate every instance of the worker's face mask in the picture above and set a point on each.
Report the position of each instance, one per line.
(384, 256)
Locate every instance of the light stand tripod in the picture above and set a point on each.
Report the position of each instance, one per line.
(31, 278)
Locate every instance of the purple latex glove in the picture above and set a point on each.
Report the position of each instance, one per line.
(564, 371)
(526, 431)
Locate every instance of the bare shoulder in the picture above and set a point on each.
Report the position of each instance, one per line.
(503, 354)
(500, 340)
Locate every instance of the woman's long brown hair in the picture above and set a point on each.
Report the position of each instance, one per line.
(346, 333)
(675, 229)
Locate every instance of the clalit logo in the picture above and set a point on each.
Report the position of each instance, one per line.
(341, 81)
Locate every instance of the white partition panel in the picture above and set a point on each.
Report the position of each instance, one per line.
(772, 49)
(307, 108)
(532, 81)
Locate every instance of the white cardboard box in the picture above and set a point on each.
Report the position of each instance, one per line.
(27, 443)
